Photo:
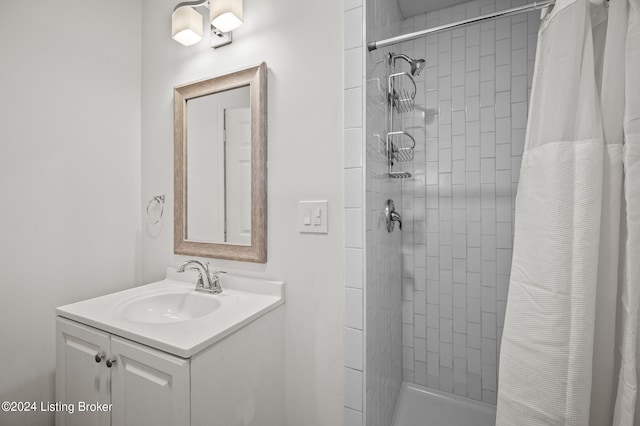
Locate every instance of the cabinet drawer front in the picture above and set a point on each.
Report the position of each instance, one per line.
(79, 378)
(148, 387)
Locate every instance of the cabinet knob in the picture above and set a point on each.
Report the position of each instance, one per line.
(111, 361)
(100, 356)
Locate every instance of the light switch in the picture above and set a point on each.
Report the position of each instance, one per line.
(312, 217)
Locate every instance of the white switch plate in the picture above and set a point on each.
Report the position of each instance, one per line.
(312, 217)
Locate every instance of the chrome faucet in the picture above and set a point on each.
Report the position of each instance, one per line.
(208, 282)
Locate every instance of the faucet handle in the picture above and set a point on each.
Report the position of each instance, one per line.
(216, 273)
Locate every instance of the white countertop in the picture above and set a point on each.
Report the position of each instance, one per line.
(243, 300)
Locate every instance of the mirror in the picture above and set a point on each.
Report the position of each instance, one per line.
(220, 166)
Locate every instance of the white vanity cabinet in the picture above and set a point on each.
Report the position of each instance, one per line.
(174, 356)
(143, 386)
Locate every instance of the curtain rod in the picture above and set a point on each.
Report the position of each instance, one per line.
(373, 45)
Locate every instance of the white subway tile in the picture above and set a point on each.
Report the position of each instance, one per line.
(459, 370)
(353, 308)
(487, 68)
(420, 376)
(503, 130)
(489, 325)
(458, 74)
(352, 417)
(446, 311)
(474, 336)
(489, 355)
(473, 108)
(458, 49)
(446, 354)
(420, 303)
(474, 309)
(517, 143)
(353, 389)
(353, 343)
(489, 275)
(472, 59)
(353, 147)
(353, 62)
(504, 261)
(503, 104)
(444, 64)
(489, 299)
(487, 94)
(459, 249)
(433, 363)
(519, 115)
(420, 326)
(487, 119)
(353, 107)
(459, 320)
(433, 340)
(458, 99)
(503, 27)
(489, 377)
(503, 51)
(487, 42)
(473, 36)
(353, 267)
(460, 345)
(353, 190)
(519, 62)
(519, 89)
(353, 28)
(473, 133)
(487, 145)
(487, 170)
(504, 235)
(353, 228)
(472, 83)
(503, 78)
(519, 35)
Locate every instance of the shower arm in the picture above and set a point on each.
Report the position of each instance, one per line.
(373, 45)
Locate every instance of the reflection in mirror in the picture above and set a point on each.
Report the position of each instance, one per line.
(219, 167)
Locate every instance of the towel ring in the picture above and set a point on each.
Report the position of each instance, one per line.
(156, 199)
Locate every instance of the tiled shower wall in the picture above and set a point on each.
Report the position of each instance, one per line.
(383, 284)
(373, 305)
(470, 122)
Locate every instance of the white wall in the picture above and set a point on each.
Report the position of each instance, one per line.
(69, 175)
(301, 42)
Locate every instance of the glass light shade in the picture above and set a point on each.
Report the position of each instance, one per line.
(226, 15)
(186, 26)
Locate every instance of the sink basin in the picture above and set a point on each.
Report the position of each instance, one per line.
(171, 316)
(168, 307)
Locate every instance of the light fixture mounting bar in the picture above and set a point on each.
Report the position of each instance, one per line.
(195, 3)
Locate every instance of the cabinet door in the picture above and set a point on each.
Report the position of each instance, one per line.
(148, 387)
(79, 378)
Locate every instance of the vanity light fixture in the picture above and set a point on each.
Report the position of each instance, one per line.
(186, 25)
(225, 16)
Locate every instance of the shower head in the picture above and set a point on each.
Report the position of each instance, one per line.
(417, 65)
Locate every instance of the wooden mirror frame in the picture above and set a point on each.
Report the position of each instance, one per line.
(256, 78)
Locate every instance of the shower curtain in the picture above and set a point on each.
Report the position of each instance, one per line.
(569, 346)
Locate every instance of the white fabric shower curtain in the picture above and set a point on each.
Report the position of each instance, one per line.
(569, 346)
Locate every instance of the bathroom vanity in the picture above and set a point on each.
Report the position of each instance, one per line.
(164, 354)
